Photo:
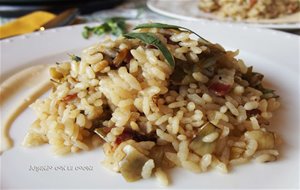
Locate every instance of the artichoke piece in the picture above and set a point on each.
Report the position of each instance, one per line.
(157, 153)
(132, 165)
(55, 74)
(264, 139)
(201, 148)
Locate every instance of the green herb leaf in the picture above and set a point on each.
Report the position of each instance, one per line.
(168, 26)
(151, 39)
(86, 32)
(74, 57)
(115, 25)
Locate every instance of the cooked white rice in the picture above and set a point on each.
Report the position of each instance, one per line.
(210, 111)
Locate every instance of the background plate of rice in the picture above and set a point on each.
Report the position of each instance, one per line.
(188, 10)
(275, 54)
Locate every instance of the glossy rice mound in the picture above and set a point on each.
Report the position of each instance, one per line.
(250, 9)
(210, 111)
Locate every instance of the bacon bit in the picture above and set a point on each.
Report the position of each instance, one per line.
(252, 2)
(107, 129)
(254, 112)
(120, 57)
(123, 137)
(128, 57)
(69, 97)
(220, 89)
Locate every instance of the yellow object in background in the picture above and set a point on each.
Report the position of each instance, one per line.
(25, 24)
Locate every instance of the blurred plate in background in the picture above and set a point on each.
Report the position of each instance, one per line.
(188, 10)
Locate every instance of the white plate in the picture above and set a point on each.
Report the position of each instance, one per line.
(270, 52)
(188, 10)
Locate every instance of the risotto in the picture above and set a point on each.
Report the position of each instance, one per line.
(207, 111)
(250, 9)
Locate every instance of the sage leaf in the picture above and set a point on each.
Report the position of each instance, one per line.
(168, 26)
(151, 39)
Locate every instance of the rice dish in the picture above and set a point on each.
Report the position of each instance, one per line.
(208, 111)
(250, 9)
